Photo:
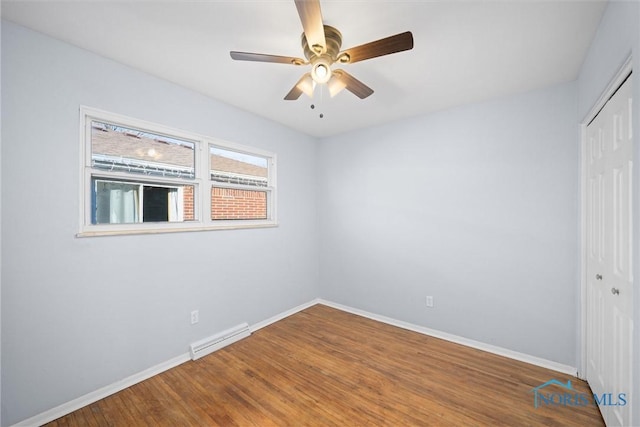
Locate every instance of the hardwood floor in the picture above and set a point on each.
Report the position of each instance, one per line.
(325, 367)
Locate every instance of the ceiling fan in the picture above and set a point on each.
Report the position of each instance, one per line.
(321, 45)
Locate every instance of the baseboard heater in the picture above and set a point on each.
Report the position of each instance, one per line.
(216, 342)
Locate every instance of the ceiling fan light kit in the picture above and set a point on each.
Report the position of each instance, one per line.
(307, 85)
(321, 69)
(321, 46)
(335, 85)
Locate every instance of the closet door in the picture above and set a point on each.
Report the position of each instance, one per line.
(609, 251)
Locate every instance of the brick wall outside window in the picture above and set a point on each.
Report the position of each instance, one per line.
(189, 214)
(228, 203)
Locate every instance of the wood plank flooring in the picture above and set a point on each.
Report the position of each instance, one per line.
(325, 367)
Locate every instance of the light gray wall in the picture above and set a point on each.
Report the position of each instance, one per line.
(476, 206)
(81, 313)
(618, 37)
(0, 224)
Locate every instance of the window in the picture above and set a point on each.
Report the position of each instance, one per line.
(247, 197)
(141, 177)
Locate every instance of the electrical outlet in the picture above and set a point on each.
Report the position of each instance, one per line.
(195, 317)
(429, 301)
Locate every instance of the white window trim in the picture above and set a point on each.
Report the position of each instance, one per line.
(202, 183)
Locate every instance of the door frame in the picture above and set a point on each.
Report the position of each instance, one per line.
(619, 78)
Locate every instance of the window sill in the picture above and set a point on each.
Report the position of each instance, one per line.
(135, 231)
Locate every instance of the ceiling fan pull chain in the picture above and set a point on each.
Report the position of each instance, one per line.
(321, 100)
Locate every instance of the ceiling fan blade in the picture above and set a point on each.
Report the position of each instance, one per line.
(293, 94)
(392, 44)
(304, 85)
(261, 57)
(353, 85)
(312, 24)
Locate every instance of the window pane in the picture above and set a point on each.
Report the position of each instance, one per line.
(120, 149)
(231, 203)
(237, 168)
(116, 203)
(121, 202)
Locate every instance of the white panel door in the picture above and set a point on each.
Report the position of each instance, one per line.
(597, 339)
(609, 252)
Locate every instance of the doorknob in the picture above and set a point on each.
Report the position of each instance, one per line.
(615, 291)
(598, 276)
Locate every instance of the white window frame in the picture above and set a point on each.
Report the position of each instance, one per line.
(202, 182)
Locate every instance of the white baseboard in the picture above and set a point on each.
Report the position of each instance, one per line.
(544, 363)
(283, 315)
(94, 396)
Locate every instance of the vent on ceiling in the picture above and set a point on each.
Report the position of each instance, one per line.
(216, 342)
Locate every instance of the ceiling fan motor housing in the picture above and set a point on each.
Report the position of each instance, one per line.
(333, 41)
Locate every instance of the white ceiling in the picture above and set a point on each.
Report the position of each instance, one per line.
(465, 51)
